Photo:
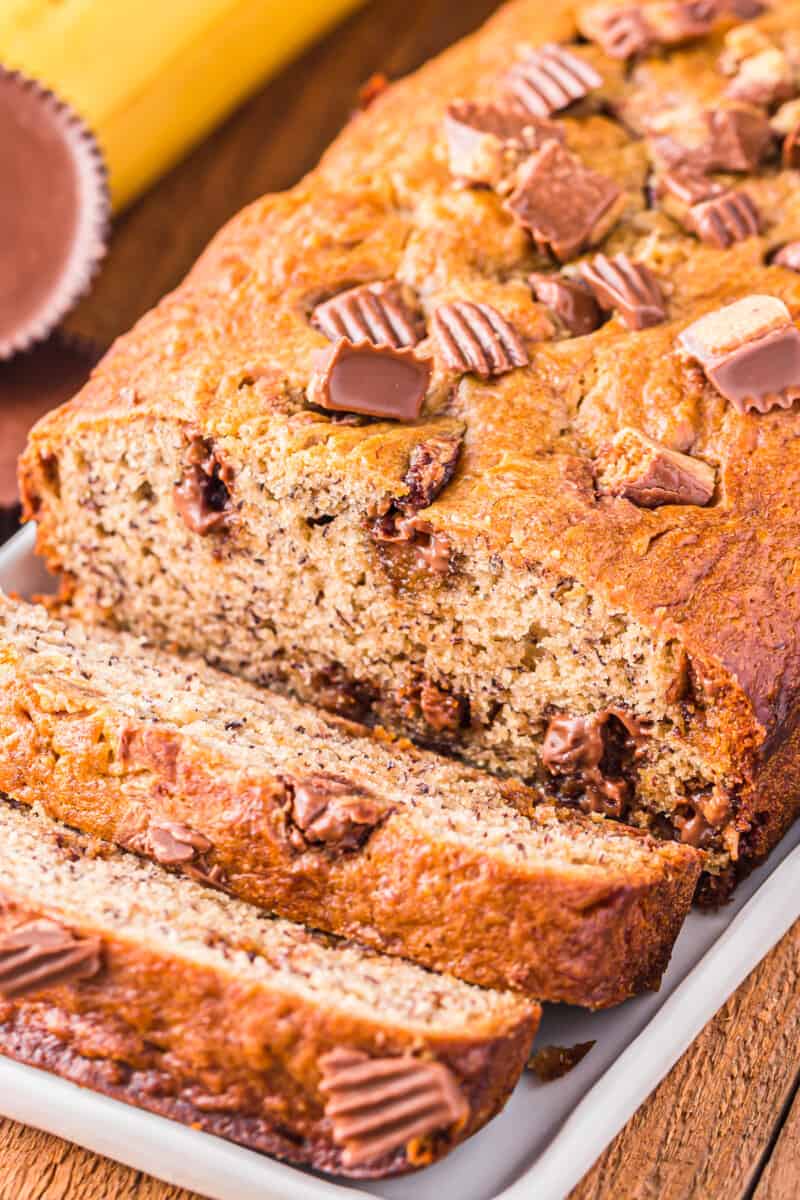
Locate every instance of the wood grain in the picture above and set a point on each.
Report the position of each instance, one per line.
(35, 1166)
(781, 1177)
(706, 1132)
(714, 1129)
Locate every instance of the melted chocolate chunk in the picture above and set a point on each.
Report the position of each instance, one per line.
(381, 313)
(749, 351)
(441, 709)
(335, 689)
(43, 954)
(692, 827)
(476, 337)
(431, 550)
(202, 496)
(564, 205)
(723, 220)
(330, 811)
(594, 758)
(570, 302)
(431, 466)
(487, 142)
(550, 79)
(378, 381)
(378, 1105)
(648, 474)
(628, 287)
(172, 843)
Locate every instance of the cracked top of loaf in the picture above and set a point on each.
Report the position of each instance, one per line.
(623, 457)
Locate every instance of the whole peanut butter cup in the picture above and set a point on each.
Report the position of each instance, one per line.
(54, 211)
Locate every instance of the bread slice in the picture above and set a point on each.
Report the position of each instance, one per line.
(159, 992)
(328, 823)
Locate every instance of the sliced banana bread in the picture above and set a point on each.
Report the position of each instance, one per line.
(329, 823)
(433, 437)
(123, 978)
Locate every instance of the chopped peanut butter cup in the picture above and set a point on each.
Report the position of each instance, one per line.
(550, 79)
(789, 256)
(381, 313)
(43, 954)
(620, 32)
(570, 302)
(723, 220)
(648, 474)
(628, 287)
(625, 31)
(476, 337)
(377, 1105)
(487, 142)
(54, 211)
(563, 204)
(377, 381)
(749, 351)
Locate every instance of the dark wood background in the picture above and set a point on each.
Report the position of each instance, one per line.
(725, 1124)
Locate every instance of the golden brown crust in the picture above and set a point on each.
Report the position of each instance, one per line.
(589, 936)
(234, 1057)
(229, 354)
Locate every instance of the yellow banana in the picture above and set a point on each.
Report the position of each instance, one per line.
(150, 77)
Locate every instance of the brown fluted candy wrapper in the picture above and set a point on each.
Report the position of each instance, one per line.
(30, 385)
(54, 211)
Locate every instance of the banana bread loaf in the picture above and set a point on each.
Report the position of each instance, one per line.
(487, 431)
(159, 992)
(320, 820)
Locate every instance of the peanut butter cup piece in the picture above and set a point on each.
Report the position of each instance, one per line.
(333, 812)
(627, 287)
(570, 302)
(790, 150)
(376, 1106)
(636, 468)
(563, 204)
(172, 843)
(54, 211)
(487, 142)
(763, 78)
(722, 221)
(689, 186)
(382, 313)
(550, 79)
(476, 337)
(789, 256)
(43, 954)
(739, 138)
(431, 465)
(749, 351)
(377, 381)
(619, 32)
(202, 495)
(634, 29)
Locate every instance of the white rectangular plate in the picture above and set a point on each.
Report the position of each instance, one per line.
(548, 1136)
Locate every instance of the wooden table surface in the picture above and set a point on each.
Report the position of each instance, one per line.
(725, 1124)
